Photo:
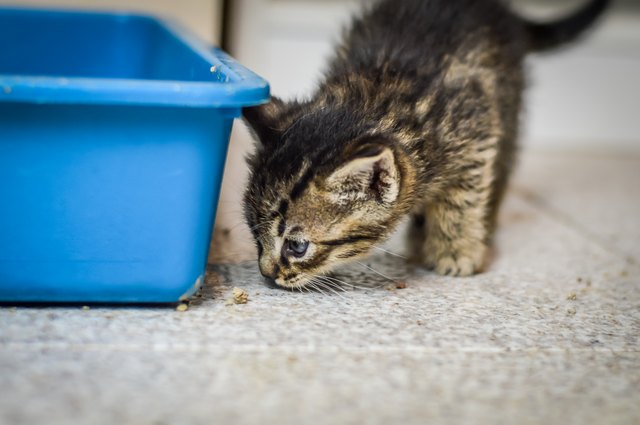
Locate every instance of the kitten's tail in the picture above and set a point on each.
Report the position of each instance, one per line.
(545, 36)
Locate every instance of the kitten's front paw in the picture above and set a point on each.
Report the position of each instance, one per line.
(463, 266)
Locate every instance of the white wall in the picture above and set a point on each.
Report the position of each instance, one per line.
(587, 97)
(203, 17)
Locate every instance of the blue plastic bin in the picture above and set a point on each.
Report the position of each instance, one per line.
(113, 137)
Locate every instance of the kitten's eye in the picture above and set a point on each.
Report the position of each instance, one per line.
(295, 248)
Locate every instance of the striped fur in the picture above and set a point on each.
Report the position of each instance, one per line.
(417, 114)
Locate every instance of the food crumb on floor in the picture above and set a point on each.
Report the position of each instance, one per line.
(571, 311)
(86, 307)
(182, 307)
(572, 296)
(401, 285)
(240, 296)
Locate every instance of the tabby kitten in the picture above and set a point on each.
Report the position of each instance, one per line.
(417, 114)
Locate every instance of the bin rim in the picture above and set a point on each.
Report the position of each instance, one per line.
(240, 86)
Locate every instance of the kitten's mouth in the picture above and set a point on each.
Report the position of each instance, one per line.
(297, 282)
(294, 283)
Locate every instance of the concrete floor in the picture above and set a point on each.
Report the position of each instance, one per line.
(548, 335)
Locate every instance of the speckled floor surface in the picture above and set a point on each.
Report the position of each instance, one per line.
(548, 335)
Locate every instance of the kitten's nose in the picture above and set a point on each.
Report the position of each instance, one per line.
(269, 269)
(271, 274)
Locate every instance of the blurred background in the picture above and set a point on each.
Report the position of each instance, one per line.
(584, 98)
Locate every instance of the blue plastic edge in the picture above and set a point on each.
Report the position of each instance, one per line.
(193, 289)
(242, 87)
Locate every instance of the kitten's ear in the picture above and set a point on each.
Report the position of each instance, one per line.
(369, 174)
(265, 121)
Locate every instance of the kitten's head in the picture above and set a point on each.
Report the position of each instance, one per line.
(323, 189)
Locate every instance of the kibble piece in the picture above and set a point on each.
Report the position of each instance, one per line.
(572, 296)
(401, 285)
(182, 307)
(240, 296)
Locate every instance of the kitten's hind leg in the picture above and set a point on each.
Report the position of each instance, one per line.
(457, 227)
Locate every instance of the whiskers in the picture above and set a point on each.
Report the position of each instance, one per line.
(339, 282)
(320, 284)
(328, 284)
(396, 281)
(377, 272)
(389, 252)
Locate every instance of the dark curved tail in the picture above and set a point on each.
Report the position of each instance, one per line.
(554, 34)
